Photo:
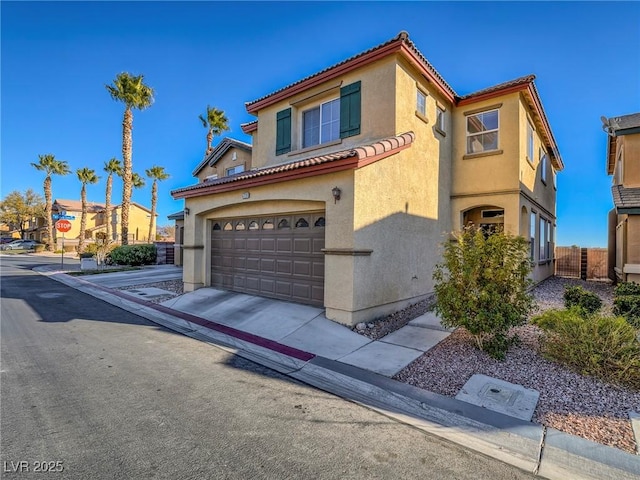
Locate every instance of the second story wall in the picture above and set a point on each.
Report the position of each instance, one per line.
(627, 163)
(377, 116)
(537, 175)
(486, 146)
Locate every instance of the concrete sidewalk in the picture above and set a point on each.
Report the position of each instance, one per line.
(301, 342)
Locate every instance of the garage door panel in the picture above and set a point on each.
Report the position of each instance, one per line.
(267, 286)
(253, 244)
(253, 264)
(268, 245)
(283, 288)
(268, 265)
(270, 258)
(302, 268)
(284, 266)
(283, 245)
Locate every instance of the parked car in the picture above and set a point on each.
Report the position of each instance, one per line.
(20, 245)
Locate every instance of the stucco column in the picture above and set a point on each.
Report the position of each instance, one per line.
(193, 252)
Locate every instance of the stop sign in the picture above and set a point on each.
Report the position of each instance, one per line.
(63, 225)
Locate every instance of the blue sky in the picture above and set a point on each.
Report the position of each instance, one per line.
(58, 56)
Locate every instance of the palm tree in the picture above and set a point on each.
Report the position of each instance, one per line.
(215, 122)
(85, 175)
(111, 167)
(48, 164)
(157, 174)
(131, 91)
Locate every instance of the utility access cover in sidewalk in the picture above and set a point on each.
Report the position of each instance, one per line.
(499, 396)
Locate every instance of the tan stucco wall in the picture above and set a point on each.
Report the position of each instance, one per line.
(631, 153)
(633, 239)
(243, 157)
(377, 114)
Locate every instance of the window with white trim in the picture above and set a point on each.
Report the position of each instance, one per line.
(543, 166)
(321, 124)
(421, 103)
(529, 142)
(234, 170)
(532, 235)
(440, 118)
(544, 239)
(482, 132)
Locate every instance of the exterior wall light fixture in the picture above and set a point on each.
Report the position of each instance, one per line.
(186, 210)
(336, 194)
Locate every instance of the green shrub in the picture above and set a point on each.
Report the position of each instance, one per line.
(604, 347)
(627, 288)
(39, 247)
(587, 301)
(626, 302)
(483, 286)
(133, 255)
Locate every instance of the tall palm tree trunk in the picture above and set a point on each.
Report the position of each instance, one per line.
(83, 218)
(127, 126)
(107, 207)
(209, 140)
(48, 212)
(154, 199)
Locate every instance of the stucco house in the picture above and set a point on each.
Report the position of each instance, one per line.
(96, 222)
(623, 162)
(359, 173)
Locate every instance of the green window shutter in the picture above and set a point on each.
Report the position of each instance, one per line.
(283, 131)
(350, 110)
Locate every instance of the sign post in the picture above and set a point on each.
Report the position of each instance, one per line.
(63, 226)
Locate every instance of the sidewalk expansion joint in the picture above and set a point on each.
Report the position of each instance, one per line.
(540, 450)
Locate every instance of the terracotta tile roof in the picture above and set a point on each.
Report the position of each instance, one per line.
(620, 125)
(501, 86)
(76, 206)
(625, 198)
(402, 37)
(361, 153)
(223, 147)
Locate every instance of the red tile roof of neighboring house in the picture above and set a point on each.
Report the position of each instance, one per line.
(516, 82)
(76, 206)
(341, 160)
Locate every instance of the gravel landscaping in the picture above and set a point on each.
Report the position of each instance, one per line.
(569, 402)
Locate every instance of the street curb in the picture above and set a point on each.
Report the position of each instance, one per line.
(546, 452)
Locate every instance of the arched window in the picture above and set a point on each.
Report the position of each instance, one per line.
(240, 226)
(302, 223)
(319, 222)
(228, 226)
(253, 225)
(216, 226)
(283, 223)
(268, 225)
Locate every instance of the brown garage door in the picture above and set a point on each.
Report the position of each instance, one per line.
(275, 256)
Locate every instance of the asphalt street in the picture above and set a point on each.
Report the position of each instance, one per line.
(97, 392)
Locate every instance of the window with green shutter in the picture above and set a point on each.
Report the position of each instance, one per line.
(283, 131)
(350, 110)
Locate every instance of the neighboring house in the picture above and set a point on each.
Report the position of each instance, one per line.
(178, 218)
(359, 172)
(623, 162)
(227, 158)
(96, 222)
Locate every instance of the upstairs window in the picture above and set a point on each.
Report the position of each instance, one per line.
(482, 132)
(529, 142)
(321, 124)
(234, 170)
(440, 118)
(421, 103)
(543, 167)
